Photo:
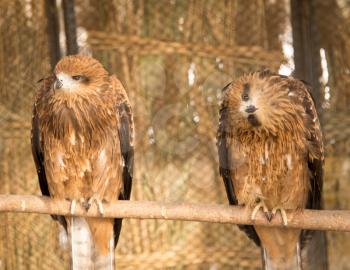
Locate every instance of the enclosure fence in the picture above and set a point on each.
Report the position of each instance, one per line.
(173, 57)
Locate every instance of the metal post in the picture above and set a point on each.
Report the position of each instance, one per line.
(70, 26)
(306, 43)
(52, 29)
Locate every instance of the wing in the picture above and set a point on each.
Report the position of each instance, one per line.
(126, 137)
(316, 154)
(37, 152)
(224, 166)
(315, 158)
(315, 147)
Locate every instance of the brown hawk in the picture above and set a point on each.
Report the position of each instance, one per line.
(82, 144)
(271, 157)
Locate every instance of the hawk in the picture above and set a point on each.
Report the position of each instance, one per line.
(82, 145)
(271, 157)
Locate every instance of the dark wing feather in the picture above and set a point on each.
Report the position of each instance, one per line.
(315, 158)
(37, 152)
(316, 153)
(224, 167)
(315, 147)
(38, 155)
(316, 183)
(126, 135)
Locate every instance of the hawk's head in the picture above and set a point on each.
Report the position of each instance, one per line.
(79, 74)
(261, 101)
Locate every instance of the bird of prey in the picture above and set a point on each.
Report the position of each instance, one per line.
(271, 157)
(82, 145)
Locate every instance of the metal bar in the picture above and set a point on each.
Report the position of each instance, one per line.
(52, 30)
(307, 59)
(70, 26)
(306, 43)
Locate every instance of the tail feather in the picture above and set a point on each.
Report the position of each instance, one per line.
(86, 252)
(81, 244)
(282, 263)
(280, 248)
(105, 261)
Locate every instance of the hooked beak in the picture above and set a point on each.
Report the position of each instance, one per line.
(57, 84)
(251, 109)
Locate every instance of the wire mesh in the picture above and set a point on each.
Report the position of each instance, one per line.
(173, 57)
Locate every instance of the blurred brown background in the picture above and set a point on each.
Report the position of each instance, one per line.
(173, 56)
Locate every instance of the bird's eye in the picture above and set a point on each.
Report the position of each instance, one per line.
(245, 97)
(77, 77)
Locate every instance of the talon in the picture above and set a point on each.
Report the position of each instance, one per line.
(98, 204)
(284, 218)
(73, 205)
(268, 216)
(86, 205)
(283, 214)
(100, 207)
(262, 205)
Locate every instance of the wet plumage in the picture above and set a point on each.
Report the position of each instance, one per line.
(82, 144)
(271, 156)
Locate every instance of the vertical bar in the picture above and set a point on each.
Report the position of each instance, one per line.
(306, 43)
(70, 26)
(52, 29)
